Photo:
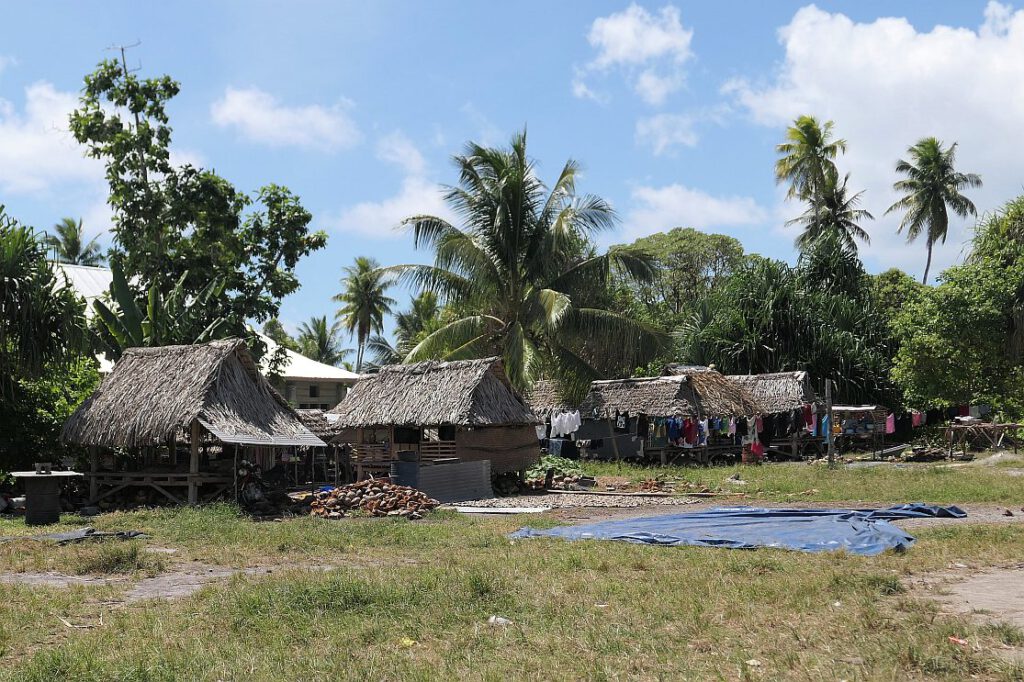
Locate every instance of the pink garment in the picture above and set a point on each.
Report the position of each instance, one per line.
(812, 428)
(732, 426)
(890, 424)
(758, 424)
(916, 418)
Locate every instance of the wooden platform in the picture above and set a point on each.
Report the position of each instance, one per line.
(161, 481)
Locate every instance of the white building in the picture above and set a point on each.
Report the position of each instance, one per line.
(307, 384)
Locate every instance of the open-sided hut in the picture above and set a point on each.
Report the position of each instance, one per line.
(210, 396)
(617, 414)
(464, 409)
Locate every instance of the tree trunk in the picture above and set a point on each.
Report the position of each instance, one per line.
(928, 264)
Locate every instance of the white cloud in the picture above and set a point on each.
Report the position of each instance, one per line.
(664, 131)
(650, 49)
(416, 195)
(886, 85)
(398, 149)
(37, 151)
(657, 209)
(260, 117)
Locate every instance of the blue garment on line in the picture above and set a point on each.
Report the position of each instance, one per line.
(859, 531)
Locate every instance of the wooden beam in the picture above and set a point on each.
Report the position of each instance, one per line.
(193, 464)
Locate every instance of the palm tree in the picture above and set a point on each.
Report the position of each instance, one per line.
(807, 158)
(411, 327)
(319, 342)
(932, 185)
(834, 213)
(521, 278)
(69, 244)
(365, 302)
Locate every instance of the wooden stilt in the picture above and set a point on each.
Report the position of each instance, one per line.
(193, 464)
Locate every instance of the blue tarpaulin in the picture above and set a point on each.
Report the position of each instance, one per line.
(858, 531)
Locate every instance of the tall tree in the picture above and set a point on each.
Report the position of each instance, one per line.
(273, 329)
(522, 277)
(41, 318)
(171, 222)
(318, 341)
(411, 327)
(834, 213)
(364, 302)
(931, 187)
(69, 245)
(807, 157)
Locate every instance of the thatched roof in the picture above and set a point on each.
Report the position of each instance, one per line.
(318, 423)
(154, 395)
(704, 393)
(779, 391)
(545, 398)
(463, 393)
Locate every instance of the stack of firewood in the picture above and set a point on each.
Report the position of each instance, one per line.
(374, 497)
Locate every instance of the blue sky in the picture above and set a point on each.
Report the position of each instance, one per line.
(672, 108)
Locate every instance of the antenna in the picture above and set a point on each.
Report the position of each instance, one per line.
(122, 49)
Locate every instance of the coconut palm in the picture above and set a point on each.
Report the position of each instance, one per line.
(365, 302)
(69, 245)
(807, 158)
(834, 213)
(411, 327)
(318, 341)
(521, 279)
(931, 187)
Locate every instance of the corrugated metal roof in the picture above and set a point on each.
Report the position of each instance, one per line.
(300, 367)
(88, 282)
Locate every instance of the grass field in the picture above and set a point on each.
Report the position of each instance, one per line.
(410, 600)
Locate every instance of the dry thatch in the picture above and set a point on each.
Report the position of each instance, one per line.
(778, 392)
(154, 394)
(545, 398)
(318, 424)
(463, 393)
(688, 390)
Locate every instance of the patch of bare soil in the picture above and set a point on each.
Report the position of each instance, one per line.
(182, 580)
(991, 596)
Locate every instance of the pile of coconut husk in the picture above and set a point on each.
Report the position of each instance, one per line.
(376, 497)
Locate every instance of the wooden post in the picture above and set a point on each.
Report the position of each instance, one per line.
(828, 436)
(94, 467)
(193, 464)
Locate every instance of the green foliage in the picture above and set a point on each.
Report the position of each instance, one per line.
(41, 321)
(31, 421)
(423, 317)
(69, 245)
(364, 302)
(187, 225)
(932, 184)
(561, 466)
(166, 320)
(522, 275)
(817, 317)
(273, 329)
(807, 158)
(959, 341)
(833, 213)
(318, 341)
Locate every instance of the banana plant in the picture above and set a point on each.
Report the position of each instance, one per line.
(165, 320)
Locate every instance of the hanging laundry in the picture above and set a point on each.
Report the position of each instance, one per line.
(975, 411)
(808, 414)
(758, 424)
(542, 431)
(812, 429)
(702, 432)
(890, 423)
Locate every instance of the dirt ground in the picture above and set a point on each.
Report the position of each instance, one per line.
(993, 596)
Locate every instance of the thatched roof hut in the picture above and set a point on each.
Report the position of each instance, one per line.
(154, 395)
(545, 398)
(461, 393)
(778, 392)
(703, 393)
(318, 423)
